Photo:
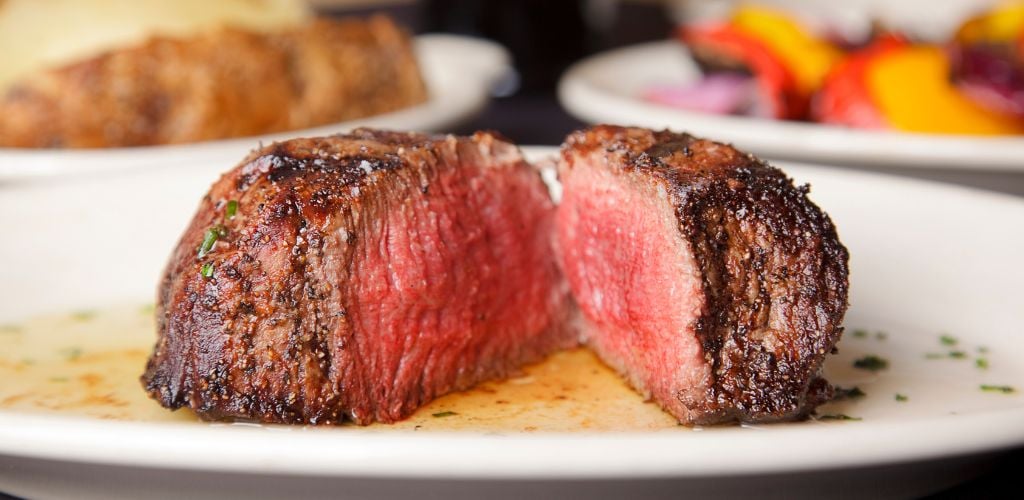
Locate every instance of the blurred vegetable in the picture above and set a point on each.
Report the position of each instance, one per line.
(845, 98)
(988, 59)
(787, 61)
(1003, 24)
(723, 46)
(721, 93)
(807, 56)
(914, 93)
(905, 87)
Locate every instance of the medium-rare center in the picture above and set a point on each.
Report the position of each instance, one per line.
(358, 277)
(704, 276)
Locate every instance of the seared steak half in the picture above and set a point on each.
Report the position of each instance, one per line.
(704, 275)
(358, 276)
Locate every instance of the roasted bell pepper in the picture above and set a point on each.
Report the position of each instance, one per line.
(723, 42)
(844, 98)
(893, 84)
(787, 61)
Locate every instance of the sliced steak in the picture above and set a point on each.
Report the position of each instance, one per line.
(358, 276)
(704, 276)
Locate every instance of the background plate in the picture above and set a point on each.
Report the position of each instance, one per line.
(606, 88)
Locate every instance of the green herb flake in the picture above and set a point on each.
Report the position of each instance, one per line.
(981, 363)
(444, 414)
(946, 339)
(851, 393)
(881, 335)
(957, 355)
(871, 363)
(207, 270)
(1005, 389)
(71, 353)
(839, 416)
(231, 209)
(84, 315)
(211, 237)
(934, 355)
(901, 398)
(860, 333)
(983, 350)
(58, 379)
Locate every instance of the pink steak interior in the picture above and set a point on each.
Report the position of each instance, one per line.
(635, 280)
(457, 283)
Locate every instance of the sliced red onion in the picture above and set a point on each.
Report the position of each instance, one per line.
(718, 93)
(991, 75)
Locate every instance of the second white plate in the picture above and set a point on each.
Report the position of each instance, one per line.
(607, 88)
(459, 72)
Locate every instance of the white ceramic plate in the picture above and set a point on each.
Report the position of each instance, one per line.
(606, 88)
(926, 259)
(459, 73)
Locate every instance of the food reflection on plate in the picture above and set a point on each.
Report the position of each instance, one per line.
(229, 73)
(766, 63)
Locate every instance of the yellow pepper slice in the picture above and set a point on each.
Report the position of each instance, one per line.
(912, 89)
(1002, 24)
(809, 58)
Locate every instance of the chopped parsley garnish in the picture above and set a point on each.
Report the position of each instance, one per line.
(211, 237)
(1005, 389)
(860, 333)
(901, 398)
(934, 355)
(231, 209)
(983, 349)
(871, 363)
(853, 392)
(981, 363)
(207, 270)
(838, 416)
(957, 354)
(947, 340)
(444, 414)
(72, 353)
(881, 335)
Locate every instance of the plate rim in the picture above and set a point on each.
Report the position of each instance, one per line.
(657, 454)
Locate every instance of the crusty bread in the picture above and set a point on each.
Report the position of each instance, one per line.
(218, 84)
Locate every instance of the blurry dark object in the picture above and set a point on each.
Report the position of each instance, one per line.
(226, 83)
(544, 37)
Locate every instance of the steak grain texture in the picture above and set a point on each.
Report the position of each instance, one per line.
(359, 277)
(219, 84)
(703, 275)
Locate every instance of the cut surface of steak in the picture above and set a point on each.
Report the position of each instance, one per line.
(359, 276)
(703, 275)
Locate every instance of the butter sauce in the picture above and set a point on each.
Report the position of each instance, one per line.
(87, 363)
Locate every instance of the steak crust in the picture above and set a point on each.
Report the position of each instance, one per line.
(358, 277)
(773, 273)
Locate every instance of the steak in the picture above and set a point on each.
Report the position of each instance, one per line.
(703, 275)
(224, 83)
(358, 277)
